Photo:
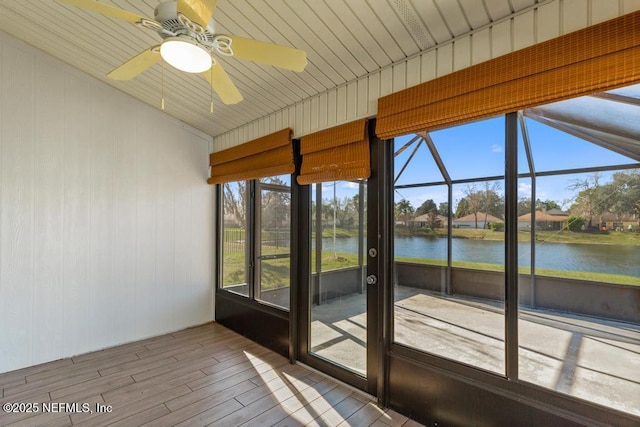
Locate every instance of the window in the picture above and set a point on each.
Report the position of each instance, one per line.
(449, 243)
(256, 239)
(580, 271)
(274, 234)
(235, 251)
(578, 235)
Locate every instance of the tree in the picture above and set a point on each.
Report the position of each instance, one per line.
(404, 211)
(590, 201)
(235, 201)
(462, 209)
(474, 201)
(625, 187)
(524, 205)
(487, 201)
(492, 201)
(433, 219)
(352, 211)
(346, 214)
(346, 210)
(276, 207)
(426, 207)
(547, 204)
(443, 209)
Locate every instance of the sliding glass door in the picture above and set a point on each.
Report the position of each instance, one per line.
(338, 289)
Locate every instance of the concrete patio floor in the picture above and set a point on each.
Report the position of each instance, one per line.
(590, 358)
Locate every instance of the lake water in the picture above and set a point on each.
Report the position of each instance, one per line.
(612, 259)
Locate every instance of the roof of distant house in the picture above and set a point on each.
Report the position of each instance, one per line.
(481, 217)
(426, 218)
(555, 211)
(545, 216)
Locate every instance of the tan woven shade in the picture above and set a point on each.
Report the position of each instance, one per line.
(336, 154)
(595, 59)
(267, 156)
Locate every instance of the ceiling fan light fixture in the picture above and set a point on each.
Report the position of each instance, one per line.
(185, 55)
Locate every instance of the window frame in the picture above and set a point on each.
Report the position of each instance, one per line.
(252, 234)
(467, 372)
(450, 181)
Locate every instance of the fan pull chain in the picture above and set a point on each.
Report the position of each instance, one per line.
(162, 87)
(211, 90)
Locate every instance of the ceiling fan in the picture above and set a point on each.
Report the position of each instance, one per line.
(190, 42)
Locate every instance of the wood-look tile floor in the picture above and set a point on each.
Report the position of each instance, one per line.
(206, 375)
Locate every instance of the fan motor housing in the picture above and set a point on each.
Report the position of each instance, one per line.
(167, 14)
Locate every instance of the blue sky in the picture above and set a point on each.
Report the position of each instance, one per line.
(477, 150)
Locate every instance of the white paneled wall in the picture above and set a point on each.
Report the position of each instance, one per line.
(106, 220)
(358, 99)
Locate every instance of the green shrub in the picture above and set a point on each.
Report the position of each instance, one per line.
(575, 223)
(497, 226)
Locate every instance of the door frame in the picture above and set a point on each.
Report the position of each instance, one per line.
(257, 256)
(381, 212)
(378, 221)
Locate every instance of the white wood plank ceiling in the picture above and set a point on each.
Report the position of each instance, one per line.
(344, 40)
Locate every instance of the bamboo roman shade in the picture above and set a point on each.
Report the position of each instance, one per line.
(591, 60)
(336, 154)
(267, 156)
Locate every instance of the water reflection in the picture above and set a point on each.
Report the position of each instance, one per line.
(612, 259)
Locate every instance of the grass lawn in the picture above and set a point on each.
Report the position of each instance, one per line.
(275, 272)
(237, 234)
(603, 238)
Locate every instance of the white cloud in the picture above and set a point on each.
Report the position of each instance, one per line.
(349, 184)
(495, 148)
(524, 189)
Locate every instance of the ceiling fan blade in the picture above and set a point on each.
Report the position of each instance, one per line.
(198, 11)
(268, 53)
(222, 84)
(137, 64)
(106, 10)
